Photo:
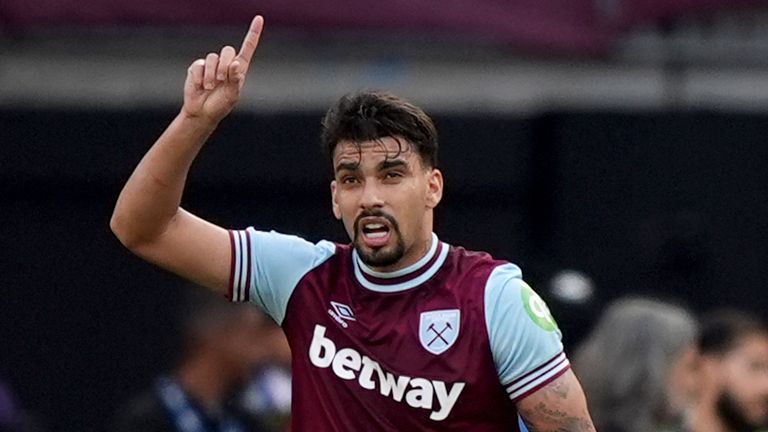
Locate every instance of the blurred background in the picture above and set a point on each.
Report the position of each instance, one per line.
(608, 147)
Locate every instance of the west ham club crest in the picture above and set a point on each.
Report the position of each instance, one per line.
(439, 329)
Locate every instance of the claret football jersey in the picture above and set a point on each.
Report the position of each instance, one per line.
(449, 343)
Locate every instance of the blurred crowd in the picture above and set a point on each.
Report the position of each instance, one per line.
(232, 374)
(651, 366)
(647, 365)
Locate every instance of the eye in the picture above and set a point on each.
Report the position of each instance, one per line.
(393, 174)
(349, 180)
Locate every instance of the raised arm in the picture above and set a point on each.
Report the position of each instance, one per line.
(147, 218)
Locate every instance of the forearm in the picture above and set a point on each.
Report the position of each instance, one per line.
(150, 199)
(560, 406)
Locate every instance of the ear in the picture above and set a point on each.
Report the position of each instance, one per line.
(434, 187)
(334, 201)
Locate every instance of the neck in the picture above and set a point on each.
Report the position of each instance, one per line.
(202, 379)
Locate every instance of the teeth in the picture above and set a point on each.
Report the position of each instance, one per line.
(374, 226)
(375, 235)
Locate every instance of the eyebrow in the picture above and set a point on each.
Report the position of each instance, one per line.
(392, 163)
(387, 164)
(348, 166)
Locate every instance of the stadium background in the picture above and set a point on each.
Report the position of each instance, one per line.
(621, 139)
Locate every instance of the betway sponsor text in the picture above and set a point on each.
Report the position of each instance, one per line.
(348, 364)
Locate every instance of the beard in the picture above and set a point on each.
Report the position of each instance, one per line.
(732, 413)
(384, 256)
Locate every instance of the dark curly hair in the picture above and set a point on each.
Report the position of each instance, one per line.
(370, 116)
(723, 330)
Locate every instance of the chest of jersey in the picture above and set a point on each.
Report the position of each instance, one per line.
(416, 359)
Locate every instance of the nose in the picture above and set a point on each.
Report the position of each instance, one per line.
(372, 196)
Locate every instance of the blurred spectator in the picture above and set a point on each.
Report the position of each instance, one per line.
(223, 343)
(733, 375)
(268, 396)
(634, 366)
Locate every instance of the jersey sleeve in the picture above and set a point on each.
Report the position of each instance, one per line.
(267, 266)
(525, 341)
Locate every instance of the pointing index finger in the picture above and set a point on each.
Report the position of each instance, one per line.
(251, 40)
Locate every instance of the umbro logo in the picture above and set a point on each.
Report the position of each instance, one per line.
(341, 313)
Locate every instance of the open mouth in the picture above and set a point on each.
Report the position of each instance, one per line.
(375, 231)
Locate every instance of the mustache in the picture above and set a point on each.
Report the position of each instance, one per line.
(375, 213)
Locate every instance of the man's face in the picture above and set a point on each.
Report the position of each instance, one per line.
(743, 398)
(384, 195)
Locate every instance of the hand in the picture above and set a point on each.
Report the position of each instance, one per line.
(213, 84)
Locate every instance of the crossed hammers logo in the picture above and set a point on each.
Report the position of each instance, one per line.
(439, 334)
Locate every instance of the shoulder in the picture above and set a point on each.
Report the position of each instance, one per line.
(509, 299)
(473, 263)
(273, 242)
(496, 277)
(506, 285)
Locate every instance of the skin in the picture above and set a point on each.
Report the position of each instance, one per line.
(149, 221)
(681, 386)
(147, 218)
(376, 178)
(741, 376)
(560, 406)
